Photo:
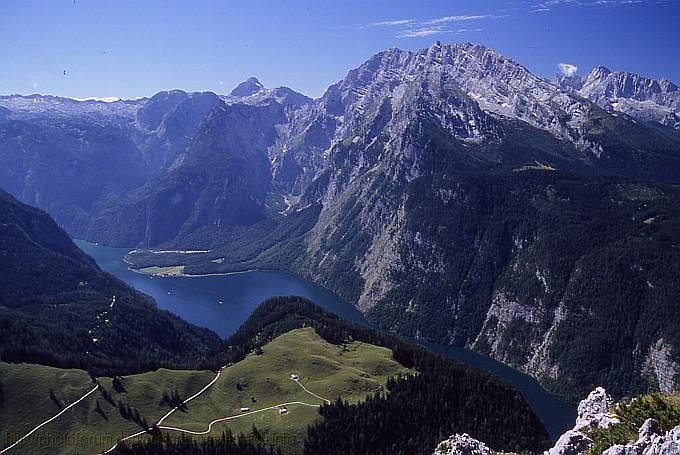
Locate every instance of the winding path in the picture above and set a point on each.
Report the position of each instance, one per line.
(277, 406)
(53, 418)
(223, 419)
(311, 393)
(169, 413)
(173, 410)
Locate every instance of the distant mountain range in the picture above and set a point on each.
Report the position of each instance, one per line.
(113, 160)
(640, 97)
(449, 193)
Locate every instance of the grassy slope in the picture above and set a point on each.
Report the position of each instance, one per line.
(81, 429)
(325, 369)
(26, 394)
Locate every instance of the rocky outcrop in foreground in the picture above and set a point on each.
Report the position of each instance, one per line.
(593, 412)
(462, 444)
(651, 441)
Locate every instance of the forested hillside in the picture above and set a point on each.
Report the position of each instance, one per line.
(409, 417)
(443, 398)
(529, 266)
(407, 396)
(58, 308)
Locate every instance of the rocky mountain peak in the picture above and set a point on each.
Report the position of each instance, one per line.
(594, 406)
(247, 88)
(599, 72)
(572, 83)
(667, 85)
(289, 97)
(621, 84)
(151, 114)
(498, 83)
(651, 441)
(648, 99)
(593, 412)
(504, 87)
(462, 88)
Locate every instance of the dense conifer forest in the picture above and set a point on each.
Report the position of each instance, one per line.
(411, 417)
(444, 397)
(227, 444)
(594, 256)
(57, 307)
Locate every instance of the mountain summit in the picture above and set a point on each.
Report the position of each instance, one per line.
(643, 98)
(247, 88)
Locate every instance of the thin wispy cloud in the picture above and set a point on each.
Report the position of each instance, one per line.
(419, 33)
(389, 23)
(425, 22)
(448, 19)
(418, 28)
(549, 5)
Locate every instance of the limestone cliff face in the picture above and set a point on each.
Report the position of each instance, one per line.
(644, 98)
(659, 362)
(522, 267)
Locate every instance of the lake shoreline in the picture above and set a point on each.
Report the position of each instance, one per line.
(223, 301)
(195, 275)
(188, 275)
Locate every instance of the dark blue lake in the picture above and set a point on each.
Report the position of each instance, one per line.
(197, 300)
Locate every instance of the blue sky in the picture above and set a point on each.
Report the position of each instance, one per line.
(135, 48)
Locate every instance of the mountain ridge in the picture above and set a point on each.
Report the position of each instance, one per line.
(357, 191)
(640, 97)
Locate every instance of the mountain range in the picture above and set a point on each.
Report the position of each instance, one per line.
(449, 193)
(640, 97)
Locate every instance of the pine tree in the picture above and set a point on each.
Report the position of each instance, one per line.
(56, 400)
(118, 384)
